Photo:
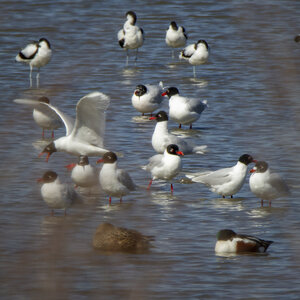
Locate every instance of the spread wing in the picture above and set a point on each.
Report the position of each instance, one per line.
(90, 118)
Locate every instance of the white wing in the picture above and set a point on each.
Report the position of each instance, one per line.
(187, 52)
(28, 52)
(43, 107)
(90, 118)
(212, 178)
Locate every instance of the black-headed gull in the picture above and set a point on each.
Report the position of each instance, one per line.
(85, 137)
(37, 55)
(43, 115)
(57, 195)
(175, 36)
(230, 242)
(161, 137)
(83, 174)
(147, 98)
(111, 238)
(165, 166)
(227, 181)
(131, 36)
(196, 54)
(115, 182)
(266, 184)
(184, 110)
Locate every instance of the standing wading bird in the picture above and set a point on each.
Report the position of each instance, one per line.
(175, 36)
(184, 110)
(131, 36)
(115, 182)
(43, 115)
(161, 137)
(37, 55)
(266, 184)
(227, 181)
(83, 174)
(57, 195)
(196, 54)
(165, 166)
(147, 98)
(85, 136)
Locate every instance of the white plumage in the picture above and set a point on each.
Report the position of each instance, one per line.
(37, 55)
(147, 98)
(175, 36)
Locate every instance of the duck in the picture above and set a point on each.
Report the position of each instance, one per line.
(111, 238)
(230, 242)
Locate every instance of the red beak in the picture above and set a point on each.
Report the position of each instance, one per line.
(152, 118)
(99, 161)
(40, 180)
(48, 155)
(179, 153)
(164, 94)
(70, 166)
(135, 92)
(252, 171)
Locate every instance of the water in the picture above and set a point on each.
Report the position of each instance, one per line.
(252, 86)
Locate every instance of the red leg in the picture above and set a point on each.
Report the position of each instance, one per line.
(262, 203)
(52, 135)
(149, 185)
(270, 203)
(172, 190)
(109, 200)
(179, 126)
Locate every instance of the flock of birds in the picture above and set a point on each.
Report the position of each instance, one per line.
(84, 138)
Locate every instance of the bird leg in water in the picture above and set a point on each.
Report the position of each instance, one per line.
(172, 190)
(149, 185)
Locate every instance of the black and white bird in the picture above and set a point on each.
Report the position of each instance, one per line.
(230, 242)
(37, 55)
(115, 182)
(165, 166)
(184, 110)
(147, 98)
(57, 195)
(265, 184)
(43, 115)
(196, 54)
(131, 36)
(161, 137)
(176, 36)
(83, 174)
(85, 136)
(227, 181)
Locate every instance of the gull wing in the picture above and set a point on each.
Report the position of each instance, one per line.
(125, 179)
(90, 118)
(213, 178)
(279, 184)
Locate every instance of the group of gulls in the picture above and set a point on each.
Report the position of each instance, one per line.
(84, 138)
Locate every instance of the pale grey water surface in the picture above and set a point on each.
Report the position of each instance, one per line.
(252, 86)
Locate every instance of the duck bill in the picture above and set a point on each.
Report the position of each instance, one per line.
(70, 167)
(99, 161)
(180, 153)
(164, 94)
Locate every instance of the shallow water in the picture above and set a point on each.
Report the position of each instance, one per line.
(251, 83)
